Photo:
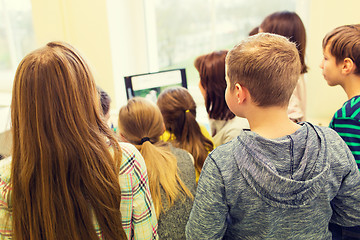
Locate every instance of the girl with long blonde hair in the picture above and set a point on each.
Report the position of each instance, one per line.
(66, 177)
(171, 170)
(179, 111)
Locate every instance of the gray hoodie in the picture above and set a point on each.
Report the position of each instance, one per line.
(285, 188)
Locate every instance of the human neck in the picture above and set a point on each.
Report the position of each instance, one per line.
(271, 122)
(352, 86)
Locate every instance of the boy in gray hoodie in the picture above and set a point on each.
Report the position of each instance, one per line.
(280, 180)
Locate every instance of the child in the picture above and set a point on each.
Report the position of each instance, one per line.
(289, 24)
(341, 66)
(68, 177)
(282, 180)
(223, 123)
(105, 101)
(179, 111)
(171, 170)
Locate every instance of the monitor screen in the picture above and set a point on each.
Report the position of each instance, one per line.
(150, 85)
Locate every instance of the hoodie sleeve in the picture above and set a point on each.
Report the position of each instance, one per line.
(346, 204)
(208, 216)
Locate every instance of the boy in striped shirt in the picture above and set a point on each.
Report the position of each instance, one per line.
(341, 66)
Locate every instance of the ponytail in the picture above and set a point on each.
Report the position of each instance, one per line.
(194, 141)
(163, 174)
(179, 111)
(141, 123)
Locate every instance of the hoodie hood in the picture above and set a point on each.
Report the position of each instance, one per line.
(286, 172)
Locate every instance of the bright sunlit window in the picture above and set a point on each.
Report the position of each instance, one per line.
(16, 38)
(186, 29)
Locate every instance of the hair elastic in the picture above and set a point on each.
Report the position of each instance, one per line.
(187, 110)
(144, 139)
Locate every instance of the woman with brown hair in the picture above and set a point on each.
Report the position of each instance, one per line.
(68, 177)
(171, 170)
(224, 124)
(179, 111)
(289, 24)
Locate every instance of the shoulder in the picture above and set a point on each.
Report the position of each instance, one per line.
(131, 160)
(228, 130)
(350, 109)
(180, 153)
(5, 171)
(236, 124)
(223, 156)
(336, 146)
(184, 160)
(329, 135)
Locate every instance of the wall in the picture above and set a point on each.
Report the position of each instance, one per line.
(324, 15)
(83, 24)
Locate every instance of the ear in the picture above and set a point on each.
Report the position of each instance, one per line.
(348, 66)
(241, 93)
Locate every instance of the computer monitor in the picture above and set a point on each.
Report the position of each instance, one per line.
(150, 85)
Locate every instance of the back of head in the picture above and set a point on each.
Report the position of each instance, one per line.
(140, 118)
(268, 65)
(179, 111)
(141, 123)
(289, 25)
(105, 101)
(175, 103)
(343, 42)
(211, 68)
(62, 170)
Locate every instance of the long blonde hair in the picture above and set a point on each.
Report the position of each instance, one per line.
(179, 111)
(141, 123)
(62, 173)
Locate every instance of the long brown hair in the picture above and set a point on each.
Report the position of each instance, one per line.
(141, 120)
(179, 111)
(211, 68)
(63, 174)
(288, 24)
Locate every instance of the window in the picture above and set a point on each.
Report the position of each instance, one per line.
(16, 38)
(186, 29)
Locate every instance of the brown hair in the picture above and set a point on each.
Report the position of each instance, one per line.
(105, 100)
(344, 43)
(211, 68)
(179, 111)
(289, 25)
(62, 172)
(254, 31)
(141, 119)
(268, 65)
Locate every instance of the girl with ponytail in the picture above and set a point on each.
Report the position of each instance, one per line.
(171, 171)
(179, 111)
(68, 177)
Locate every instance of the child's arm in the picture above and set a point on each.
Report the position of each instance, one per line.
(208, 215)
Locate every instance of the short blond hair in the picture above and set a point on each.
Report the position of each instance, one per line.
(268, 65)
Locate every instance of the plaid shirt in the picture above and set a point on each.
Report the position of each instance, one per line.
(137, 209)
